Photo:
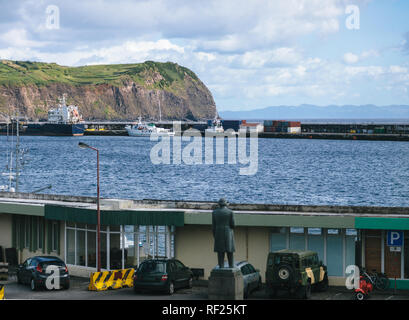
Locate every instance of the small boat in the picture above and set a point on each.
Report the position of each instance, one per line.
(142, 129)
(216, 126)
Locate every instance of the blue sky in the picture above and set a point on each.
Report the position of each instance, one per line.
(250, 54)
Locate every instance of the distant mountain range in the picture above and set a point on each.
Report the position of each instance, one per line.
(306, 111)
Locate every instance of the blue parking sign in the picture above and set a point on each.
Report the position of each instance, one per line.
(394, 238)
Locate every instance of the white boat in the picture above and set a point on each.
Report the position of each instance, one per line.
(216, 126)
(142, 129)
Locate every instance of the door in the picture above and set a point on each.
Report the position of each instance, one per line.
(373, 250)
(182, 274)
(253, 275)
(392, 262)
(245, 271)
(24, 272)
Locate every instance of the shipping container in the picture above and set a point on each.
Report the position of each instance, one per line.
(281, 123)
(281, 129)
(269, 129)
(268, 123)
(277, 122)
(231, 124)
(294, 124)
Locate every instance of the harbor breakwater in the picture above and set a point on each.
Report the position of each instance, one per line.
(268, 135)
(118, 129)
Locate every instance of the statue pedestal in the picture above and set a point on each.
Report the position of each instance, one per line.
(225, 284)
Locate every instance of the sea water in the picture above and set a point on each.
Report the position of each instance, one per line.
(290, 171)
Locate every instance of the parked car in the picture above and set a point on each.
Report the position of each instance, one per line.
(251, 277)
(296, 271)
(34, 272)
(162, 275)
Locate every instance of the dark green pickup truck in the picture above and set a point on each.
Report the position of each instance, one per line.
(295, 271)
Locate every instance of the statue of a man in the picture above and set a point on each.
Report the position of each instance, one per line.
(223, 225)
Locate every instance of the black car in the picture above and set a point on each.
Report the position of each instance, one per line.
(34, 272)
(162, 275)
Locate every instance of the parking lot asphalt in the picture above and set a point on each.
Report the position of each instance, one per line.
(79, 291)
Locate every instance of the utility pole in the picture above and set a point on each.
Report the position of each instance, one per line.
(17, 150)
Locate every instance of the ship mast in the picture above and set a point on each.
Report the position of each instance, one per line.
(160, 113)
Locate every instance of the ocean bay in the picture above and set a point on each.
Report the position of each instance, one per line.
(290, 171)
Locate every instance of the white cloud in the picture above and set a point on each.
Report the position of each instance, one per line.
(398, 69)
(18, 38)
(350, 58)
(242, 50)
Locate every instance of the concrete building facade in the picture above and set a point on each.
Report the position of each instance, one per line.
(134, 230)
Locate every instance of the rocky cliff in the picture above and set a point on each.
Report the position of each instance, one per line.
(105, 92)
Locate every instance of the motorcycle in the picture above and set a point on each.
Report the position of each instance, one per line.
(365, 287)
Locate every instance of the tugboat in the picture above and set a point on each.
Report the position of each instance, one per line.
(62, 121)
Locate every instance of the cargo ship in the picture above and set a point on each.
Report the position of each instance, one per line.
(62, 121)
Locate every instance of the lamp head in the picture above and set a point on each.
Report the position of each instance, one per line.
(83, 145)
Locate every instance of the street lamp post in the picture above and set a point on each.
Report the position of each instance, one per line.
(84, 145)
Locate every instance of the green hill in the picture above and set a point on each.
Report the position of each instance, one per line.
(39, 73)
(168, 81)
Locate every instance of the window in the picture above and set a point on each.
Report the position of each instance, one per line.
(27, 232)
(335, 253)
(245, 269)
(351, 232)
(308, 261)
(80, 257)
(54, 235)
(278, 239)
(70, 246)
(179, 264)
(115, 252)
(315, 260)
(315, 231)
(152, 266)
(91, 249)
(333, 231)
(251, 268)
(297, 238)
(297, 230)
(40, 233)
(121, 246)
(316, 241)
(171, 266)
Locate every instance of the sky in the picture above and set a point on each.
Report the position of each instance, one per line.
(251, 54)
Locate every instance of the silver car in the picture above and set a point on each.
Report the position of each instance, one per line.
(251, 277)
